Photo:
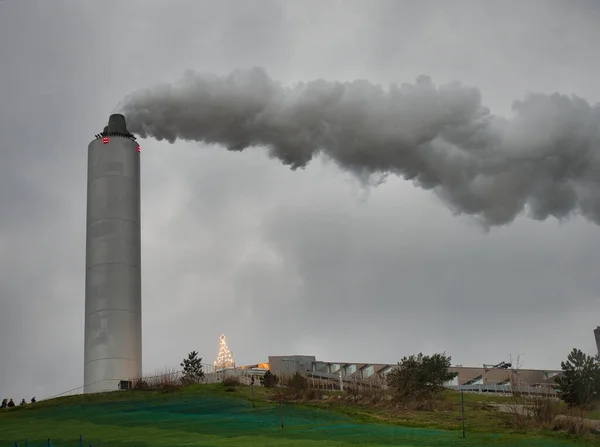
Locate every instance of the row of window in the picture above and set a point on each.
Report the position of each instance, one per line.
(334, 368)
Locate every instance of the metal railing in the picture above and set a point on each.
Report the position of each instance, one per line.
(211, 375)
(533, 389)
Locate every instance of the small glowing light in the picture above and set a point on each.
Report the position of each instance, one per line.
(105, 140)
(139, 149)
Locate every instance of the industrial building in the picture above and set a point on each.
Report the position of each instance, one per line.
(476, 378)
(113, 290)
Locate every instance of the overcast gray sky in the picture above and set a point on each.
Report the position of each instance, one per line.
(281, 261)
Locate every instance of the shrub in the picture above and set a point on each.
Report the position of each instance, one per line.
(140, 385)
(230, 382)
(310, 394)
(537, 411)
(420, 378)
(544, 410)
(574, 425)
(298, 383)
(269, 380)
(167, 380)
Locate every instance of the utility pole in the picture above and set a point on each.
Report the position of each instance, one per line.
(280, 408)
(252, 388)
(462, 400)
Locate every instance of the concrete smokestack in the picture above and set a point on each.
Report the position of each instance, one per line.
(113, 290)
(597, 337)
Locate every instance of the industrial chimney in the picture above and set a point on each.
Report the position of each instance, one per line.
(597, 336)
(113, 290)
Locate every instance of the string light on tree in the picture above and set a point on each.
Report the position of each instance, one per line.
(225, 357)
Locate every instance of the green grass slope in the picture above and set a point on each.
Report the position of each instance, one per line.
(209, 415)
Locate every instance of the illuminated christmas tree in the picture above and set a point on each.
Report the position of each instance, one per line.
(225, 357)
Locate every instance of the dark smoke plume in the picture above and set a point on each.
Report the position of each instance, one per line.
(544, 161)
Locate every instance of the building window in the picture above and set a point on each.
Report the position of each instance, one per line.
(368, 371)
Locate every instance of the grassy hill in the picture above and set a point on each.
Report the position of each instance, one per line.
(213, 415)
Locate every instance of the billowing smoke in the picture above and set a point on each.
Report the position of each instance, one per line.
(544, 161)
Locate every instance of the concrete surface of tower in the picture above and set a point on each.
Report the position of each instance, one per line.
(113, 290)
